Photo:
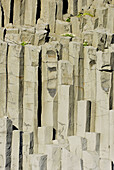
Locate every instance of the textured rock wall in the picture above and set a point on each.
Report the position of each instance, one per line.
(56, 85)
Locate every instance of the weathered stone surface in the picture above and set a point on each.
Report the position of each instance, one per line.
(65, 73)
(65, 111)
(77, 144)
(38, 162)
(15, 79)
(3, 78)
(83, 117)
(28, 144)
(30, 104)
(5, 143)
(57, 84)
(90, 160)
(70, 161)
(53, 153)
(16, 154)
(111, 135)
(90, 81)
(93, 141)
(105, 164)
(62, 27)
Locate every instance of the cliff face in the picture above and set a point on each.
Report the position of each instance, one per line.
(56, 85)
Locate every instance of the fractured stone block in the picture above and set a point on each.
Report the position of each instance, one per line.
(70, 161)
(53, 157)
(65, 47)
(38, 161)
(62, 27)
(45, 135)
(99, 40)
(90, 160)
(93, 141)
(65, 111)
(40, 37)
(65, 73)
(83, 117)
(77, 144)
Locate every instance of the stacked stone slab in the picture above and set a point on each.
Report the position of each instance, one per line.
(56, 85)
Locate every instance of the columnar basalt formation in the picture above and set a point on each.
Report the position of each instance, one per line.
(56, 85)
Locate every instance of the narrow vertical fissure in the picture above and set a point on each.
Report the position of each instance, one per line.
(80, 79)
(111, 94)
(111, 99)
(11, 11)
(7, 77)
(21, 151)
(21, 88)
(65, 6)
(38, 10)
(2, 16)
(39, 90)
(88, 123)
(56, 12)
(112, 166)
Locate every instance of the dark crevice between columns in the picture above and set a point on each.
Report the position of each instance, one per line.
(38, 11)
(39, 90)
(21, 88)
(2, 16)
(111, 98)
(54, 134)
(56, 12)
(65, 6)
(7, 77)
(21, 151)
(112, 166)
(11, 11)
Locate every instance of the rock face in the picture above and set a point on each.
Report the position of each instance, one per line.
(56, 85)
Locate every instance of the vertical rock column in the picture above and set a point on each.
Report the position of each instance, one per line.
(28, 144)
(0, 16)
(48, 12)
(30, 9)
(65, 100)
(90, 81)
(53, 153)
(102, 101)
(111, 135)
(110, 20)
(5, 143)
(15, 84)
(30, 104)
(76, 58)
(16, 154)
(72, 7)
(83, 117)
(3, 78)
(6, 8)
(50, 54)
(19, 12)
(59, 8)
